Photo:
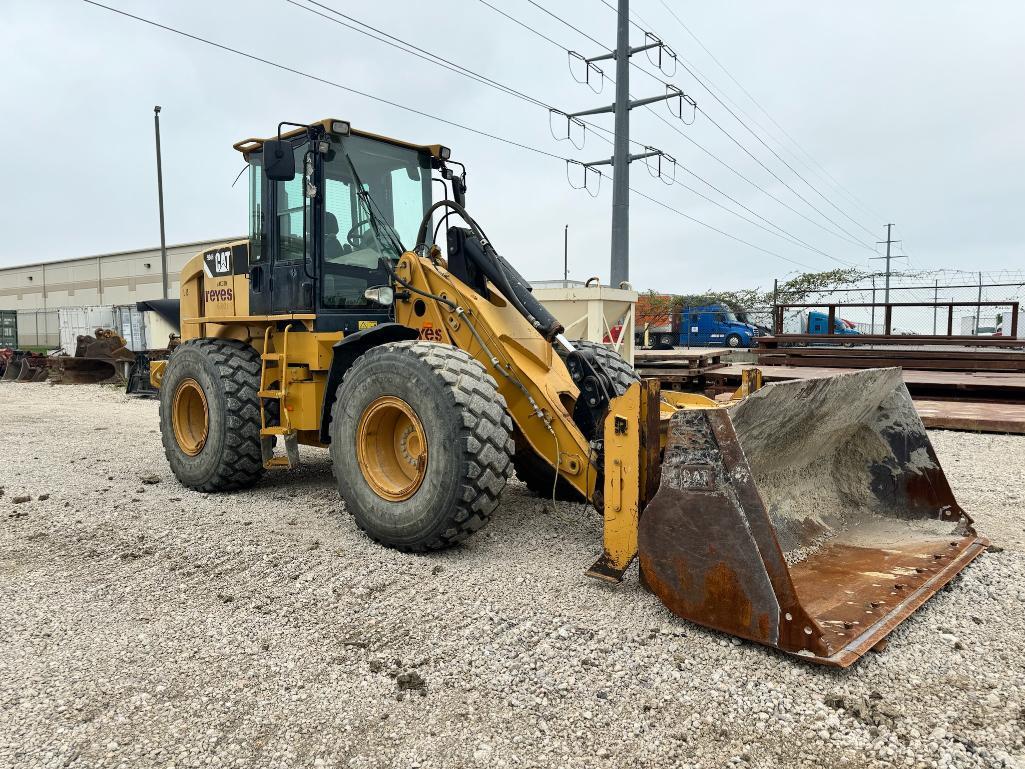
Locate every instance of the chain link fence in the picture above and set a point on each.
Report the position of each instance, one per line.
(916, 307)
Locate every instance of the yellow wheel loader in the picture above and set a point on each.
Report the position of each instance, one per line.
(809, 516)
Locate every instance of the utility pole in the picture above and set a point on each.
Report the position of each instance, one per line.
(775, 307)
(873, 305)
(565, 254)
(621, 157)
(160, 201)
(621, 152)
(889, 241)
(978, 307)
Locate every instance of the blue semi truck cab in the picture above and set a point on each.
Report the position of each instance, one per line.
(714, 324)
(818, 323)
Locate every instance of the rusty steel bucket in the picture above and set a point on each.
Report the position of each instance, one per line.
(11, 371)
(813, 516)
(27, 372)
(69, 370)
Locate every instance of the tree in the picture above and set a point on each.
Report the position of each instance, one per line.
(654, 308)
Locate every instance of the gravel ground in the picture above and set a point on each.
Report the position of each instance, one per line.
(142, 625)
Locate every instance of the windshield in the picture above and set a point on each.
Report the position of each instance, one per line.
(398, 181)
(730, 317)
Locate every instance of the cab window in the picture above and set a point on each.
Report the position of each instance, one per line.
(290, 208)
(398, 181)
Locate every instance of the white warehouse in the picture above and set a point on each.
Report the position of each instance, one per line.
(38, 290)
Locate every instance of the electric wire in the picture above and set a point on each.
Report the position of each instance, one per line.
(853, 238)
(430, 57)
(712, 155)
(413, 110)
(434, 58)
(325, 81)
(840, 187)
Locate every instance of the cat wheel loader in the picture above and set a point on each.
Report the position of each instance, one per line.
(811, 516)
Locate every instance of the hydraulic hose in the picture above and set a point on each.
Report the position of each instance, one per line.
(512, 285)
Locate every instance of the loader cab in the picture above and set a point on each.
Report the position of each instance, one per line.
(316, 242)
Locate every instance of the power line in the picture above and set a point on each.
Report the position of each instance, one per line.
(433, 58)
(414, 50)
(425, 55)
(726, 165)
(793, 141)
(540, 7)
(325, 81)
(413, 110)
(736, 117)
(716, 229)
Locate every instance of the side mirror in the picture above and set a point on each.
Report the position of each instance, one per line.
(278, 160)
(459, 191)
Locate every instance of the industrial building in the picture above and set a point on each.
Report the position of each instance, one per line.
(37, 291)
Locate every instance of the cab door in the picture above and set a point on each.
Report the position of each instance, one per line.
(292, 279)
(283, 238)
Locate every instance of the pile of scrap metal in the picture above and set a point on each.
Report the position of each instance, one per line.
(99, 359)
(22, 366)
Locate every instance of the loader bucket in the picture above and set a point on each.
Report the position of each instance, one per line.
(26, 373)
(11, 371)
(813, 516)
(86, 371)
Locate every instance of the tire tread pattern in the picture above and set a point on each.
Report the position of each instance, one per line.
(485, 441)
(241, 464)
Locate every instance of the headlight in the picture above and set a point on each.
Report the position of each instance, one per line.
(445, 153)
(340, 127)
(381, 294)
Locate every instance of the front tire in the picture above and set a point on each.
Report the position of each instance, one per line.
(210, 415)
(733, 341)
(421, 445)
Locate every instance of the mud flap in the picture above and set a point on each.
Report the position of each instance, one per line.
(813, 516)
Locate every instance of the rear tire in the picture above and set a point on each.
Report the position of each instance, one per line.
(421, 445)
(210, 414)
(533, 471)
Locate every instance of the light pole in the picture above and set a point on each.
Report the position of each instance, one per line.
(160, 201)
(565, 255)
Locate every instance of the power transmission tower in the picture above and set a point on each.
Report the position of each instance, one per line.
(889, 241)
(621, 157)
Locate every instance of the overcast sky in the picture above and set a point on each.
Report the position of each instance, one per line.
(914, 107)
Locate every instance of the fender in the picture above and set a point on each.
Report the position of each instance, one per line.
(346, 352)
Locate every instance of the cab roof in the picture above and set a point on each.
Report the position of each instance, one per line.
(437, 151)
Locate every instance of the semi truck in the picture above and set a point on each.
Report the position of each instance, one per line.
(816, 322)
(701, 326)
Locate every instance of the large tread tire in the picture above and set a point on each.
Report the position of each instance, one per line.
(469, 444)
(622, 373)
(228, 371)
(533, 471)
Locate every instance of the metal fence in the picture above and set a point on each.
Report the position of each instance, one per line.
(936, 308)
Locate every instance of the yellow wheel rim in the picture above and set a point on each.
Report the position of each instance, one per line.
(190, 417)
(391, 448)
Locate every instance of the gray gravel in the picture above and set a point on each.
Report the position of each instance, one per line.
(145, 625)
